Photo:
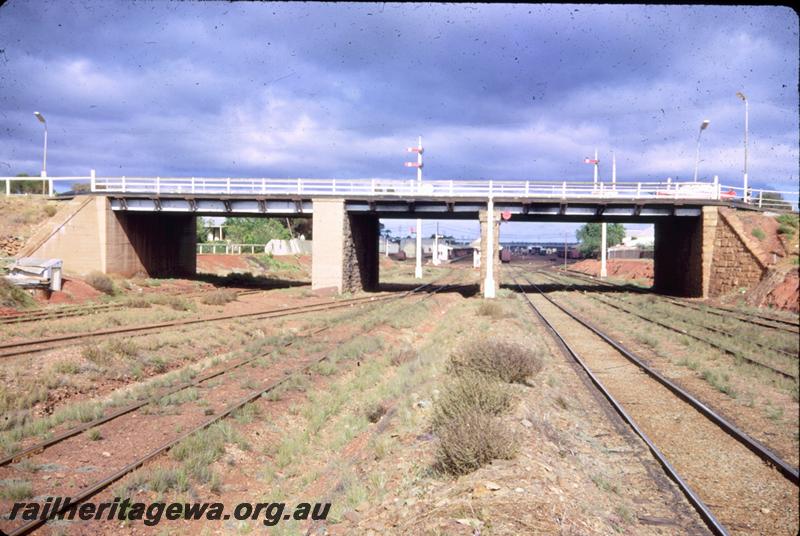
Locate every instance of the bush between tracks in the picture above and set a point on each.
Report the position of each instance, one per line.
(507, 361)
(219, 297)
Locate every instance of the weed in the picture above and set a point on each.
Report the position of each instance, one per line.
(324, 368)
(94, 434)
(758, 233)
(467, 393)
(67, 367)
(13, 296)
(16, 490)
(604, 484)
(219, 297)
(719, 383)
(508, 361)
(101, 282)
(471, 440)
(137, 302)
(491, 309)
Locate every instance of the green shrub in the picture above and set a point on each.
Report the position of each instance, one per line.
(101, 282)
(13, 296)
(758, 233)
(791, 220)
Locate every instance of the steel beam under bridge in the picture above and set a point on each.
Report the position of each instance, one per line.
(579, 210)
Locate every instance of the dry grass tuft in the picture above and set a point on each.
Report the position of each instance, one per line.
(491, 309)
(470, 392)
(219, 297)
(101, 282)
(507, 361)
(471, 440)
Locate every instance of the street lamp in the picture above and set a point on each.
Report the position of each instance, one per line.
(40, 117)
(746, 113)
(703, 126)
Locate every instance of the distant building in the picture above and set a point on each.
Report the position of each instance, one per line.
(639, 237)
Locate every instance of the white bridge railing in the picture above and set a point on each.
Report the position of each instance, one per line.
(383, 188)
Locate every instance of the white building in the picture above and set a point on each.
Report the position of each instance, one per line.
(639, 237)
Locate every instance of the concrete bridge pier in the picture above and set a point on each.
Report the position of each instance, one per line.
(490, 254)
(88, 236)
(345, 248)
(684, 252)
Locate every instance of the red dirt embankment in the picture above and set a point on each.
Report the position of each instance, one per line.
(638, 269)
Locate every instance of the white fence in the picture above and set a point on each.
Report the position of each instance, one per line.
(230, 249)
(382, 188)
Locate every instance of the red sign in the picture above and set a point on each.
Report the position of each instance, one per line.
(506, 215)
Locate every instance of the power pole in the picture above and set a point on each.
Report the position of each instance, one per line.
(418, 165)
(565, 252)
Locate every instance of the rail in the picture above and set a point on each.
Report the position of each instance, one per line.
(387, 188)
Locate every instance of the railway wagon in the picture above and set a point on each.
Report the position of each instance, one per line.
(505, 255)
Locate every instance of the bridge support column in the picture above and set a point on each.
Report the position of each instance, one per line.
(684, 250)
(490, 252)
(88, 236)
(345, 248)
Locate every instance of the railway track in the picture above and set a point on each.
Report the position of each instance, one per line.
(762, 320)
(733, 481)
(52, 343)
(102, 484)
(620, 306)
(24, 317)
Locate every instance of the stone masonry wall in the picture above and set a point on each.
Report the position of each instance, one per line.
(360, 253)
(735, 262)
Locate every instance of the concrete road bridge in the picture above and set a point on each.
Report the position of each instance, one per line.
(147, 224)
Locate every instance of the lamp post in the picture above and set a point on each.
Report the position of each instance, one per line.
(42, 120)
(703, 126)
(746, 114)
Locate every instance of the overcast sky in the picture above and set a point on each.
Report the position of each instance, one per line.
(340, 90)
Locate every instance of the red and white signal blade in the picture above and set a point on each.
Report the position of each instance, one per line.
(413, 164)
(415, 150)
(588, 160)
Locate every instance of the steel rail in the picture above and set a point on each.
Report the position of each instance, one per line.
(705, 513)
(29, 527)
(754, 318)
(38, 447)
(602, 299)
(786, 469)
(18, 348)
(87, 309)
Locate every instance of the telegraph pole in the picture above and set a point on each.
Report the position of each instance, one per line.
(418, 164)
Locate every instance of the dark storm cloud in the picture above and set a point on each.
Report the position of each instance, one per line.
(335, 90)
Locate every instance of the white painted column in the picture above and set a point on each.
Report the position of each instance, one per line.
(418, 267)
(603, 234)
(488, 284)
